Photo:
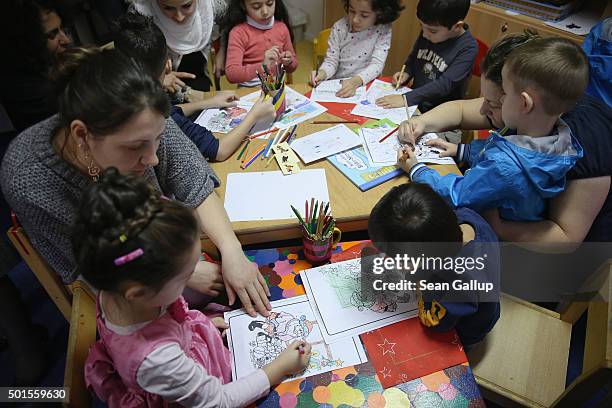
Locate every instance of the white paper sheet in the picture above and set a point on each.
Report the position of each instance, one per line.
(298, 108)
(257, 196)
(380, 154)
(325, 143)
(256, 341)
(429, 154)
(334, 294)
(326, 92)
(367, 105)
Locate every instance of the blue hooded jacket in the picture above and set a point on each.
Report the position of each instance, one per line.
(516, 174)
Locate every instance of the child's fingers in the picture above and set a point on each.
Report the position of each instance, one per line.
(437, 143)
(184, 75)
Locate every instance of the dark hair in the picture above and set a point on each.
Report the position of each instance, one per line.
(126, 205)
(22, 39)
(236, 14)
(442, 12)
(493, 62)
(104, 89)
(138, 37)
(556, 68)
(412, 213)
(387, 11)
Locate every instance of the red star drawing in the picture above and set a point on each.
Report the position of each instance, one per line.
(387, 347)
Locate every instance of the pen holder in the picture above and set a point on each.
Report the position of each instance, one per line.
(279, 101)
(319, 251)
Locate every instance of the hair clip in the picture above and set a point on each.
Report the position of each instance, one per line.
(122, 238)
(137, 253)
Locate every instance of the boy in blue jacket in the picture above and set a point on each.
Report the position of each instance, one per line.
(412, 219)
(517, 174)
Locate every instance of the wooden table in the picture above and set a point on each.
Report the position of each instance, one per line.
(351, 206)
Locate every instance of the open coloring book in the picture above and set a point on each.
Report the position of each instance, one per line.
(334, 293)
(256, 341)
(367, 105)
(326, 92)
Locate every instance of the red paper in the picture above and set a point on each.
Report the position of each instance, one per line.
(407, 350)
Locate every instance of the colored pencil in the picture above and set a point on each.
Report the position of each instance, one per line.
(306, 213)
(271, 143)
(246, 154)
(269, 160)
(243, 149)
(313, 76)
(397, 84)
(262, 133)
(314, 220)
(286, 136)
(252, 159)
(297, 214)
(388, 134)
(329, 122)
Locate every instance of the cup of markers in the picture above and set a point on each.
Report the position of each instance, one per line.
(319, 233)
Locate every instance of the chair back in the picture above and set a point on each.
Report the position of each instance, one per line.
(319, 48)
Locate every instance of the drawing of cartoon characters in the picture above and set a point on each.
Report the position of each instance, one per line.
(284, 326)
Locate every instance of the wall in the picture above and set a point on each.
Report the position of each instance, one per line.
(314, 10)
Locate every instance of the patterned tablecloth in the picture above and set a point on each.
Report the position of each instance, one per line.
(356, 386)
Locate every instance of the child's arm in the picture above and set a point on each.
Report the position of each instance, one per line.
(379, 56)
(203, 138)
(223, 99)
(484, 186)
(171, 374)
(459, 69)
(289, 57)
(235, 71)
(332, 58)
(262, 110)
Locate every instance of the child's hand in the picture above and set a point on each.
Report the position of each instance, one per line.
(286, 58)
(221, 325)
(272, 56)
(294, 358)
(449, 149)
(223, 99)
(411, 130)
(349, 86)
(172, 81)
(406, 158)
(401, 77)
(390, 101)
(263, 109)
(321, 76)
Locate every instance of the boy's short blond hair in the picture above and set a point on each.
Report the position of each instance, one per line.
(556, 68)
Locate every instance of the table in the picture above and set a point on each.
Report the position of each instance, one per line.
(351, 206)
(356, 386)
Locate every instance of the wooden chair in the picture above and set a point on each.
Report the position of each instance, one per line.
(81, 337)
(523, 361)
(319, 48)
(55, 288)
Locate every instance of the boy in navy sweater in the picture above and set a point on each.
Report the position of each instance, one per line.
(441, 60)
(138, 37)
(412, 219)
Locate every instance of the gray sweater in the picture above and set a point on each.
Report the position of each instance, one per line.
(44, 190)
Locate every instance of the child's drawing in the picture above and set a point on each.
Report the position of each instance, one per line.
(342, 310)
(255, 342)
(223, 120)
(367, 105)
(430, 154)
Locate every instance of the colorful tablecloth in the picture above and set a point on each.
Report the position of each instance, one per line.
(356, 386)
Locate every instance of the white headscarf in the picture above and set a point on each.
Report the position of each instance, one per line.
(191, 36)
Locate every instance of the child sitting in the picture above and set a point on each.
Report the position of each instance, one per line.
(442, 58)
(413, 215)
(359, 43)
(517, 174)
(152, 348)
(260, 34)
(138, 37)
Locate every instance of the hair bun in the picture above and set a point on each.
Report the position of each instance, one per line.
(68, 63)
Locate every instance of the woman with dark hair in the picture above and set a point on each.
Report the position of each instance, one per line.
(32, 35)
(190, 26)
(111, 114)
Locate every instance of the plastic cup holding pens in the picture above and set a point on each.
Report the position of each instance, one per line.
(319, 251)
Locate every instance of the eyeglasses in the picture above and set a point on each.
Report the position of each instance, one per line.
(52, 35)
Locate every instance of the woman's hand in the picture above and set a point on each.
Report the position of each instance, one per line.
(207, 279)
(242, 278)
(411, 130)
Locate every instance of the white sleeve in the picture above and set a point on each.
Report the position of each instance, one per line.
(379, 56)
(170, 373)
(332, 57)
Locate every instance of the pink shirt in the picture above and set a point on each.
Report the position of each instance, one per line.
(246, 47)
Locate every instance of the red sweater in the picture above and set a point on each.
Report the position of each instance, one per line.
(246, 47)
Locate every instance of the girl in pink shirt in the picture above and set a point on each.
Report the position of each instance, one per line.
(139, 250)
(260, 34)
